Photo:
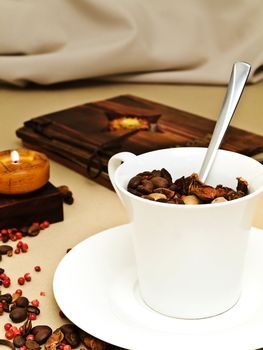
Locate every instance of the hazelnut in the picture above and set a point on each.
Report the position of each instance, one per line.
(219, 200)
(191, 199)
(155, 196)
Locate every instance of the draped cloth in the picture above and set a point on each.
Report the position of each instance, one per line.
(162, 41)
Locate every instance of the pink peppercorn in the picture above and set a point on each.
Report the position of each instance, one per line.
(30, 337)
(21, 280)
(32, 316)
(24, 247)
(7, 326)
(35, 302)
(37, 268)
(27, 277)
(67, 347)
(6, 282)
(15, 330)
(18, 235)
(9, 334)
(19, 244)
(19, 291)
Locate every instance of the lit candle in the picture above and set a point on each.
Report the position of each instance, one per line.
(22, 171)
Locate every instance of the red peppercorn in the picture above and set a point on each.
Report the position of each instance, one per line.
(32, 316)
(18, 235)
(37, 268)
(35, 302)
(46, 224)
(19, 291)
(23, 347)
(24, 247)
(17, 251)
(30, 337)
(27, 277)
(15, 330)
(7, 326)
(19, 244)
(9, 334)
(6, 282)
(21, 280)
(67, 347)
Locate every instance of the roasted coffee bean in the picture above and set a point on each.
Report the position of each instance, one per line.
(1, 270)
(32, 345)
(22, 302)
(18, 314)
(6, 307)
(33, 310)
(159, 181)
(135, 181)
(71, 334)
(6, 297)
(165, 173)
(33, 230)
(41, 333)
(18, 341)
(146, 187)
(6, 249)
(7, 343)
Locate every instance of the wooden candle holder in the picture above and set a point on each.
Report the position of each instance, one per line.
(22, 210)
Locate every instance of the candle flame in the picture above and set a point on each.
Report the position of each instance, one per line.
(15, 157)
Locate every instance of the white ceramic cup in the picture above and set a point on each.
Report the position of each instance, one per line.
(190, 258)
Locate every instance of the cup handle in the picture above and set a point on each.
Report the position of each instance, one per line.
(113, 164)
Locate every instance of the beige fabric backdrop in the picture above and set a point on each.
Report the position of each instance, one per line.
(174, 41)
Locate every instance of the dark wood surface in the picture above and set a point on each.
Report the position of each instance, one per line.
(22, 210)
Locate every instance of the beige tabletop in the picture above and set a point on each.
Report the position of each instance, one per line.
(95, 208)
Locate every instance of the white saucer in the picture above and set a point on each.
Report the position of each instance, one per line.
(95, 285)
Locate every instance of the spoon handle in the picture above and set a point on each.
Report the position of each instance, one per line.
(239, 75)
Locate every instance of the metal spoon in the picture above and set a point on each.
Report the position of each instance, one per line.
(239, 75)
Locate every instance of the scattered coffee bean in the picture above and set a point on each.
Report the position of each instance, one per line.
(7, 343)
(18, 314)
(22, 302)
(18, 341)
(33, 309)
(6, 250)
(71, 334)
(32, 345)
(41, 333)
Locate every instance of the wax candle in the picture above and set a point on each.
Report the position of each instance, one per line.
(22, 171)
